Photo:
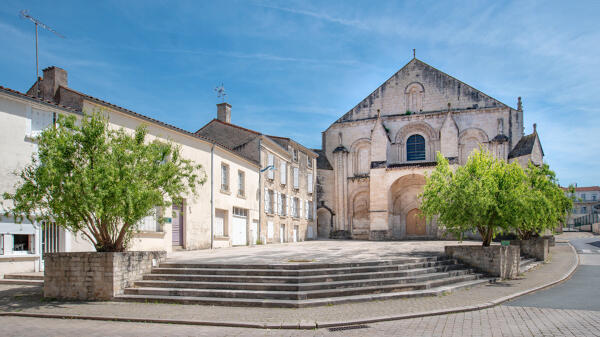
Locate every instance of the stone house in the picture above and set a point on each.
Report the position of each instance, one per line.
(22, 116)
(376, 156)
(287, 179)
(586, 202)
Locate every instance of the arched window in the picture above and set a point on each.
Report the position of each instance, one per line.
(415, 148)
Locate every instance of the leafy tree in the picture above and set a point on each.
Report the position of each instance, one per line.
(484, 195)
(92, 179)
(545, 204)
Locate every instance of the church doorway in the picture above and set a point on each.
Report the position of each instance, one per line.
(415, 223)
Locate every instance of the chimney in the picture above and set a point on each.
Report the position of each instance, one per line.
(224, 112)
(54, 77)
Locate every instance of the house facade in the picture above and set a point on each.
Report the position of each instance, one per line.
(376, 156)
(586, 202)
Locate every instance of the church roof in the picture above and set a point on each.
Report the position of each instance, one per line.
(322, 161)
(524, 146)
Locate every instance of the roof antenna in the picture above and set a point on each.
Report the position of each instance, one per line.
(25, 15)
(414, 53)
(220, 90)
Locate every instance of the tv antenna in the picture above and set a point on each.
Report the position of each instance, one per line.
(25, 15)
(221, 92)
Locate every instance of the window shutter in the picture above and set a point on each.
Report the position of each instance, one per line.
(295, 177)
(307, 210)
(266, 200)
(270, 163)
(283, 172)
(287, 205)
(300, 215)
(310, 183)
(276, 202)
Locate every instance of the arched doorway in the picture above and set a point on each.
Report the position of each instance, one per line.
(415, 223)
(323, 223)
(360, 216)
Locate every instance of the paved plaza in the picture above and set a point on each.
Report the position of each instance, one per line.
(526, 316)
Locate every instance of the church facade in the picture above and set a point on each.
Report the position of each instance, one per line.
(374, 159)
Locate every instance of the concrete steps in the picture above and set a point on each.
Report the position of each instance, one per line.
(527, 263)
(31, 279)
(301, 284)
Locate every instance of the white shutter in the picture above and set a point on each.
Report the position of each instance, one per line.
(266, 200)
(296, 177)
(283, 173)
(301, 208)
(270, 171)
(309, 180)
(306, 209)
(287, 205)
(275, 202)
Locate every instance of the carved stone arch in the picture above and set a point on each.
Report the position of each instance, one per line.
(421, 128)
(414, 94)
(468, 140)
(360, 157)
(359, 212)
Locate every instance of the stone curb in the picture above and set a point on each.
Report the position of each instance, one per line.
(308, 325)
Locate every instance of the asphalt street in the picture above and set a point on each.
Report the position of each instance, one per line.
(581, 291)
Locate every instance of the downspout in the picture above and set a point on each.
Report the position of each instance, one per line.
(259, 193)
(212, 194)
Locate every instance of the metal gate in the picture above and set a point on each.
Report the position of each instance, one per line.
(50, 240)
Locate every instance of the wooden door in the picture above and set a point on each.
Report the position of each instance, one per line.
(415, 223)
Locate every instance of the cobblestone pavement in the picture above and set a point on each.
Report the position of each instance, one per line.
(316, 251)
(28, 299)
(497, 321)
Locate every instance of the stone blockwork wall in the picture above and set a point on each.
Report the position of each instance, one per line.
(94, 276)
(537, 248)
(499, 261)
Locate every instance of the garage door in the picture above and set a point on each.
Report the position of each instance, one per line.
(239, 231)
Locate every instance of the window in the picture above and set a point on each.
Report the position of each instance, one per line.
(271, 163)
(295, 207)
(583, 196)
(240, 211)
(583, 209)
(224, 177)
(593, 197)
(241, 183)
(271, 202)
(282, 204)
(310, 210)
(283, 169)
(296, 182)
(150, 222)
(23, 243)
(309, 161)
(415, 148)
(309, 181)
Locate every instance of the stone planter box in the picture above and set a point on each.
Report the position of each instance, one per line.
(537, 248)
(498, 261)
(95, 276)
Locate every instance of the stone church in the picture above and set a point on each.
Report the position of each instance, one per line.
(373, 161)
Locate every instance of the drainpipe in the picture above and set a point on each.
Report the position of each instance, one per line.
(260, 197)
(212, 194)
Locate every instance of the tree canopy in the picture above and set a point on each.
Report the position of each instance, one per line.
(491, 196)
(92, 179)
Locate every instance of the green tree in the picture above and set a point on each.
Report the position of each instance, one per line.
(485, 195)
(92, 179)
(545, 203)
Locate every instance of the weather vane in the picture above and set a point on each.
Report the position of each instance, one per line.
(221, 92)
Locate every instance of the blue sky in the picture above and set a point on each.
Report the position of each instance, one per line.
(292, 68)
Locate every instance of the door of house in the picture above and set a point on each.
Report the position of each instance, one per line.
(282, 233)
(415, 223)
(295, 234)
(239, 230)
(177, 225)
(254, 231)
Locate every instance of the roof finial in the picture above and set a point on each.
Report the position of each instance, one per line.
(414, 53)
(534, 128)
(519, 104)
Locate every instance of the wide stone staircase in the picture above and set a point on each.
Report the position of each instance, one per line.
(30, 279)
(295, 285)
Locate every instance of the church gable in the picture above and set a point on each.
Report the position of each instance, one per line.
(419, 88)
